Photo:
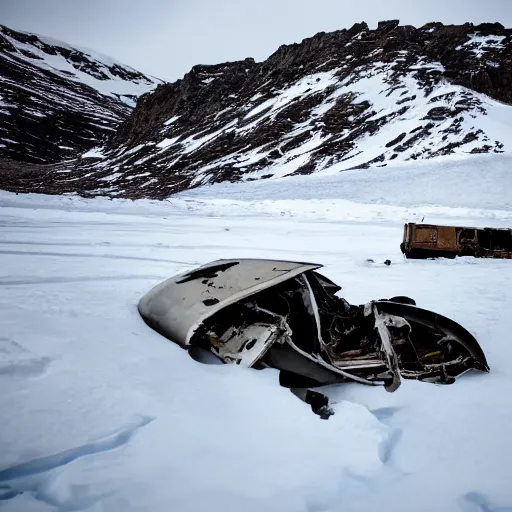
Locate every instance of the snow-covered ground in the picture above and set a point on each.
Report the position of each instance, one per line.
(101, 413)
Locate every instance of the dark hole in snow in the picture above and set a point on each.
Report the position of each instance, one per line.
(210, 302)
(208, 273)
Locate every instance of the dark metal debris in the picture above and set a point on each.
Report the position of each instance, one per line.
(286, 315)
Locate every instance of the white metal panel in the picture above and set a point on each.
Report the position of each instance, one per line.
(176, 307)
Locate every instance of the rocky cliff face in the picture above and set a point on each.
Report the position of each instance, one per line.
(56, 100)
(348, 99)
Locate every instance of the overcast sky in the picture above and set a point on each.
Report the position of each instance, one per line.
(167, 37)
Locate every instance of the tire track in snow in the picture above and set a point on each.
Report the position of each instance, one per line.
(389, 444)
(387, 447)
(90, 245)
(84, 279)
(16, 361)
(35, 475)
(480, 503)
(105, 256)
(384, 413)
(43, 464)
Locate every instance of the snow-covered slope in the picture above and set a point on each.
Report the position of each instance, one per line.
(100, 413)
(56, 99)
(354, 98)
(351, 99)
(81, 65)
(370, 117)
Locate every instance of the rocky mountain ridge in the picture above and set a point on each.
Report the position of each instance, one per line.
(348, 99)
(57, 100)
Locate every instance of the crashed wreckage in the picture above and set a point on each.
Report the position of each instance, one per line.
(285, 315)
(433, 241)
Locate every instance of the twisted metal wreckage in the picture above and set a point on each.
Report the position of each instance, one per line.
(285, 315)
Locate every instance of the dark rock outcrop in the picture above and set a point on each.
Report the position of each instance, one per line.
(57, 101)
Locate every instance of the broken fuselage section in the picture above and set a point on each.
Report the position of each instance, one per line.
(285, 315)
(433, 241)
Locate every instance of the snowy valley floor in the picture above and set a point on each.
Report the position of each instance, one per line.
(100, 413)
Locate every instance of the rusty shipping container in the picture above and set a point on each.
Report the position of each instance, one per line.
(433, 241)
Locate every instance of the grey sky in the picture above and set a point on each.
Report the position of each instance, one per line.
(167, 37)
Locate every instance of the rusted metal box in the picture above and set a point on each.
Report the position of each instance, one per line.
(433, 241)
